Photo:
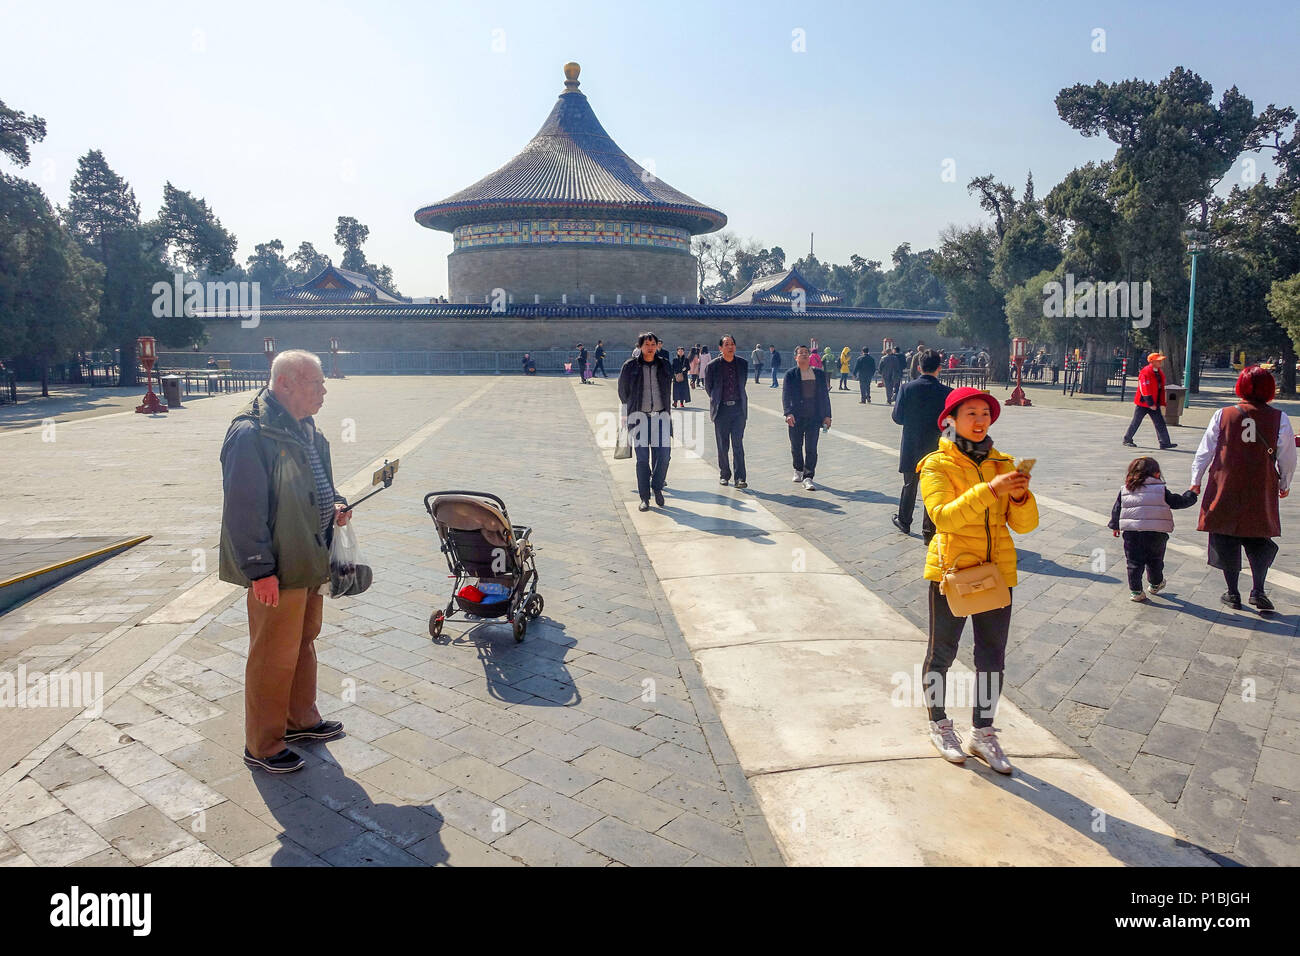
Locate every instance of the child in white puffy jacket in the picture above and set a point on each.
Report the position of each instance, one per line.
(1144, 514)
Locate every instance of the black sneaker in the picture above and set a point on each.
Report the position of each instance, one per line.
(906, 529)
(325, 730)
(1130, 443)
(723, 481)
(1172, 444)
(659, 498)
(644, 505)
(1260, 601)
(286, 761)
(1232, 599)
(741, 483)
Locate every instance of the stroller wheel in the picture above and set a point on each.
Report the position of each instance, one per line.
(520, 625)
(435, 624)
(534, 607)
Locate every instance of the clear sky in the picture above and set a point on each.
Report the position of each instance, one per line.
(285, 116)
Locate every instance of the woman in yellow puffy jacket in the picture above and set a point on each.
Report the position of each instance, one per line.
(973, 494)
(844, 369)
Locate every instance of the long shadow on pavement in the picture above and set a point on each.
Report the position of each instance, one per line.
(1130, 843)
(333, 816)
(806, 500)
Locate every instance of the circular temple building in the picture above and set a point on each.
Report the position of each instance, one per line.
(572, 219)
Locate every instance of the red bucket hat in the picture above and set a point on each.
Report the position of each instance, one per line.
(959, 395)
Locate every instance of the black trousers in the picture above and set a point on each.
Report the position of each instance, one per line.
(991, 629)
(758, 370)
(891, 389)
(804, 434)
(729, 431)
(907, 506)
(864, 388)
(844, 381)
(1139, 412)
(1225, 554)
(1145, 550)
(600, 367)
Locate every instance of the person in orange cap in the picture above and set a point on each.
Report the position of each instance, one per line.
(1149, 397)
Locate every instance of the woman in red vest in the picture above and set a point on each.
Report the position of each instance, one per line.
(1250, 451)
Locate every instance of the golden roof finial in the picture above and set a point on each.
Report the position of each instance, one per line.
(571, 71)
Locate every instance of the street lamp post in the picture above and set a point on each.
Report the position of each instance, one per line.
(268, 347)
(1019, 352)
(1196, 244)
(149, 355)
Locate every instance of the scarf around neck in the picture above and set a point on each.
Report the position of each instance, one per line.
(976, 451)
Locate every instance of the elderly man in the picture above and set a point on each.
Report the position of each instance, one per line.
(725, 381)
(277, 522)
(756, 359)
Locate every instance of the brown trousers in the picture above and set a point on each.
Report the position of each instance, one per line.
(280, 679)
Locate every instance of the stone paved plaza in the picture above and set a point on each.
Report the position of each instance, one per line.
(595, 741)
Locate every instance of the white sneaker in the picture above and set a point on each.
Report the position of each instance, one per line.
(984, 744)
(798, 477)
(946, 741)
(808, 485)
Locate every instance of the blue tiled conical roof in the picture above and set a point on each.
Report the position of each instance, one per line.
(572, 169)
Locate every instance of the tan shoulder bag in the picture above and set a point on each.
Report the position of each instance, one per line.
(975, 589)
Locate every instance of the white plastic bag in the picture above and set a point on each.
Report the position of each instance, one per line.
(349, 572)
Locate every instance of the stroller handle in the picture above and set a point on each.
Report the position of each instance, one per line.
(480, 494)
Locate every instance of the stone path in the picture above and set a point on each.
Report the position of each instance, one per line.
(480, 751)
(591, 743)
(817, 682)
(1193, 707)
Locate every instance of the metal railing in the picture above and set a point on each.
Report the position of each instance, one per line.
(432, 362)
(1074, 375)
(206, 381)
(8, 388)
(965, 377)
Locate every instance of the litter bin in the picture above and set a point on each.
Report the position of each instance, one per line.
(1175, 402)
(171, 386)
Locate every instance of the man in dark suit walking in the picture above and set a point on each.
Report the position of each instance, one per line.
(917, 409)
(724, 382)
(864, 369)
(891, 373)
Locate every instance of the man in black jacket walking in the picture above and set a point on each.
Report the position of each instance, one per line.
(776, 363)
(919, 404)
(891, 373)
(600, 360)
(806, 401)
(645, 391)
(864, 369)
(724, 382)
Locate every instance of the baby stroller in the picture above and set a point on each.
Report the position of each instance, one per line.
(480, 543)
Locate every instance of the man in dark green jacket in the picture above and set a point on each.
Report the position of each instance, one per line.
(277, 522)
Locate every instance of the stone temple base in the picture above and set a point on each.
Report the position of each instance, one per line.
(579, 272)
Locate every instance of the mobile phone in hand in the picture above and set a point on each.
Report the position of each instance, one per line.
(1025, 465)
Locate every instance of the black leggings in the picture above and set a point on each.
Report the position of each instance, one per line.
(1225, 554)
(991, 629)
